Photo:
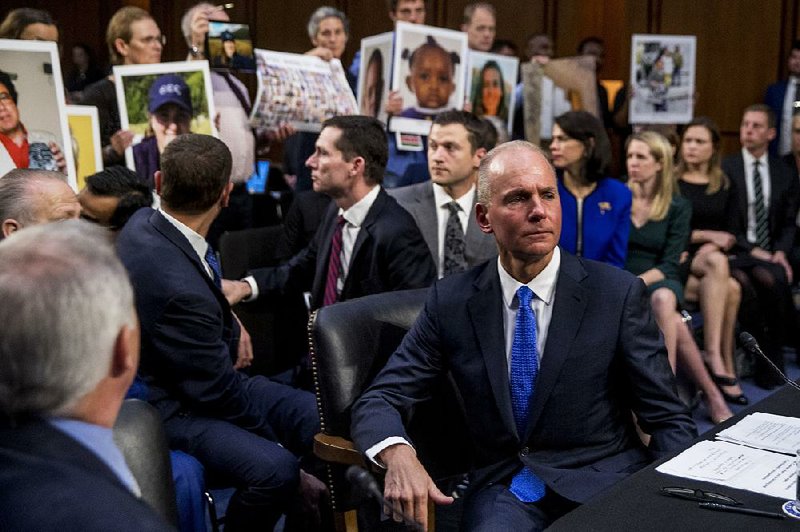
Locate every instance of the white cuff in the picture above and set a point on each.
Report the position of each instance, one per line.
(253, 289)
(373, 452)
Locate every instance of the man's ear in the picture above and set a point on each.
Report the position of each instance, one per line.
(157, 181)
(225, 197)
(9, 226)
(359, 166)
(125, 361)
(482, 217)
(479, 154)
(771, 133)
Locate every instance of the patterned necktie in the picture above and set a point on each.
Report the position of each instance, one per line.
(334, 265)
(455, 259)
(525, 485)
(762, 220)
(213, 263)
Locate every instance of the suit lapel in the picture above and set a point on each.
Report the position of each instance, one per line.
(171, 233)
(425, 209)
(568, 309)
(485, 309)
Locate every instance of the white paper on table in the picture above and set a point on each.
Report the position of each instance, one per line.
(736, 466)
(765, 431)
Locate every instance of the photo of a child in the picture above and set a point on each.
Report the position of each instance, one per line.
(431, 78)
(373, 79)
(428, 73)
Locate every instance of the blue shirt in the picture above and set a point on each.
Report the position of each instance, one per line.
(99, 440)
(601, 231)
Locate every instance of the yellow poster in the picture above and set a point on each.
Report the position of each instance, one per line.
(85, 131)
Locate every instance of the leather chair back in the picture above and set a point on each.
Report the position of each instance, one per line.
(140, 436)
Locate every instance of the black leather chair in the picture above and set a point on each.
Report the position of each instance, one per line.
(140, 436)
(276, 325)
(349, 343)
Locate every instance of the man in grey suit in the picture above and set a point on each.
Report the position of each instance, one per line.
(443, 207)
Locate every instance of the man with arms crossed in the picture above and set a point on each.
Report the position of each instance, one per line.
(548, 384)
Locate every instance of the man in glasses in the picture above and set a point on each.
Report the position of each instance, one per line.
(170, 114)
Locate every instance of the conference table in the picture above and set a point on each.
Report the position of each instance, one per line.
(637, 504)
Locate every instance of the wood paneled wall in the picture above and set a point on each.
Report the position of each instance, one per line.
(741, 44)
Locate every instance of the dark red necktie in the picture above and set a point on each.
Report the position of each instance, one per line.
(334, 265)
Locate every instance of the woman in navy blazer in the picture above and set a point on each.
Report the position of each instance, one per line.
(595, 209)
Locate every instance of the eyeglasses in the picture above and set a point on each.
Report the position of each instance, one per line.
(153, 39)
(699, 495)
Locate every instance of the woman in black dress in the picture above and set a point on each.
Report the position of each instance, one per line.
(709, 283)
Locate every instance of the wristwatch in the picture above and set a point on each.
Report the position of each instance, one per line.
(195, 52)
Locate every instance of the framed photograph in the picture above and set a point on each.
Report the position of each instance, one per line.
(84, 127)
(491, 80)
(302, 90)
(159, 102)
(428, 71)
(374, 75)
(229, 46)
(35, 121)
(662, 79)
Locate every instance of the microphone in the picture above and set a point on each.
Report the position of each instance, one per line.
(748, 342)
(365, 483)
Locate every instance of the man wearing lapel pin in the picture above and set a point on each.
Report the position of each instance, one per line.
(366, 243)
(548, 386)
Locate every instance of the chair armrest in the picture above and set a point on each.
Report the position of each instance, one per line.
(337, 449)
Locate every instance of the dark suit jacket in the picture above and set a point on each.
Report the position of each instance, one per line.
(389, 254)
(604, 357)
(783, 201)
(189, 335)
(303, 219)
(774, 97)
(49, 481)
(419, 201)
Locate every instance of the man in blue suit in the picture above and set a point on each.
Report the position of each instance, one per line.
(250, 431)
(69, 353)
(548, 386)
(780, 97)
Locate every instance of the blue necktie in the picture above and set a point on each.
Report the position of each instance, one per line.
(213, 263)
(524, 368)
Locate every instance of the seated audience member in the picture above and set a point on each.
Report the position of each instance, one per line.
(659, 234)
(443, 207)
(713, 225)
(26, 149)
(480, 25)
(111, 196)
(596, 208)
(59, 399)
(488, 328)
(328, 30)
(248, 431)
(505, 47)
(780, 97)
(366, 242)
(84, 72)
(133, 38)
(767, 197)
(32, 197)
(169, 112)
(233, 107)
(28, 24)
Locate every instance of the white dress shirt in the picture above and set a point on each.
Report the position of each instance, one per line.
(198, 243)
(785, 139)
(543, 287)
(354, 219)
(763, 170)
(441, 199)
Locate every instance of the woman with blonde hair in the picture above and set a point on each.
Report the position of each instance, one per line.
(703, 183)
(658, 236)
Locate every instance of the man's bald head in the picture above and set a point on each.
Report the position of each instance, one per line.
(31, 197)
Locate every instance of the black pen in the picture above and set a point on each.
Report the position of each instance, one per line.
(738, 510)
